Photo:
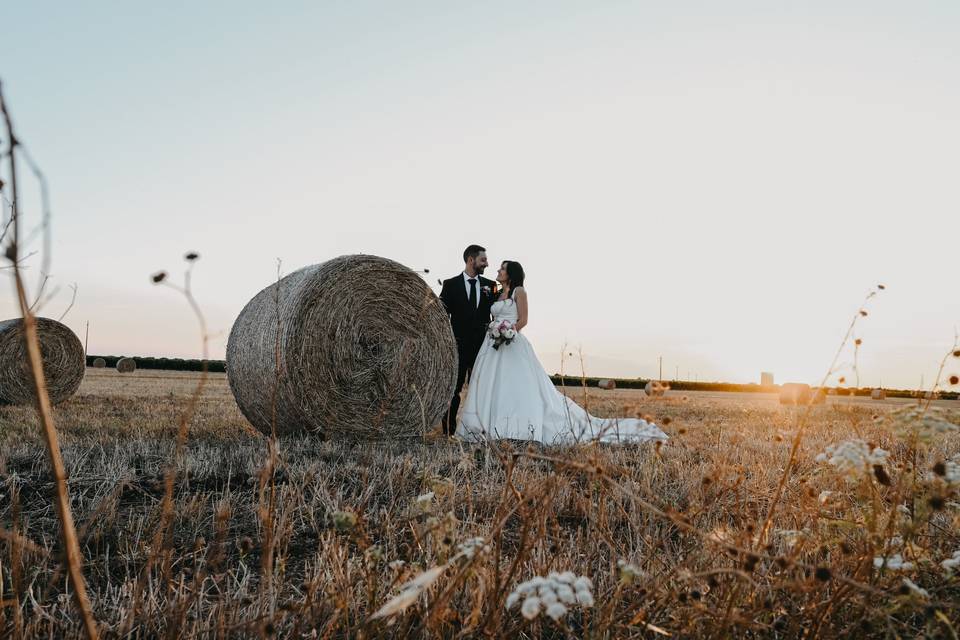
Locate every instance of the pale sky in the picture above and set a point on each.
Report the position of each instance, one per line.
(716, 183)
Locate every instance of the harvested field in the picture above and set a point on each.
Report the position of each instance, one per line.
(317, 543)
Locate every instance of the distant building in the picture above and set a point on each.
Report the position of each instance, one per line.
(766, 379)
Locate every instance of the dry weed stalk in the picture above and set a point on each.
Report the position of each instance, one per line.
(44, 410)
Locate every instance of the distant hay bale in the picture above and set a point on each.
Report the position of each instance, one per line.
(609, 385)
(878, 394)
(365, 351)
(126, 365)
(655, 389)
(99, 363)
(62, 355)
(800, 393)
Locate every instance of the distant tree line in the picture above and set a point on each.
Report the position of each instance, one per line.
(686, 385)
(167, 364)
(220, 366)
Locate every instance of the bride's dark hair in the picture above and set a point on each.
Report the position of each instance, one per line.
(514, 275)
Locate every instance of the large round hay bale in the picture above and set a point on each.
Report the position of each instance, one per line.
(795, 393)
(655, 389)
(878, 394)
(363, 347)
(99, 363)
(606, 383)
(62, 355)
(126, 365)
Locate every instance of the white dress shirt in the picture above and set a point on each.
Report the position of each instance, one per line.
(466, 283)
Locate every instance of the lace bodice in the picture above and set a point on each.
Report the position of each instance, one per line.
(505, 310)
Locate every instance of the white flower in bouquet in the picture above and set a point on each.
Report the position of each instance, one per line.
(494, 329)
(510, 334)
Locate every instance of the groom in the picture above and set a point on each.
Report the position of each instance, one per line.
(468, 298)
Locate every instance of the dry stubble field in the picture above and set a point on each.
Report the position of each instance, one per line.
(431, 539)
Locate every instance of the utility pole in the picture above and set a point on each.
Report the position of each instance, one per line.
(661, 368)
(676, 376)
(86, 341)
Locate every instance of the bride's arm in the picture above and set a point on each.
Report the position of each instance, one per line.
(520, 298)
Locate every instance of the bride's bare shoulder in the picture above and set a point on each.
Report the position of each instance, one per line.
(520, 292)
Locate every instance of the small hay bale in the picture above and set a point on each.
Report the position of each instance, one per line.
(99, 363)
(63, 361)
(656, 389)
(795, 393)
(126, 365)
(604, 383)
(366, 351)
(878, 394)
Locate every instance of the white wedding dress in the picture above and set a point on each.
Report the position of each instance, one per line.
(511, 396)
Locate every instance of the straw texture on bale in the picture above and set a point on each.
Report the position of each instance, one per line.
(126, 365)
(878, 394)
(607, 384)
(363, 347)
(63, 361)
(99, 363)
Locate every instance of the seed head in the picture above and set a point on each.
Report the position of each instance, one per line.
(159, 277)
(940, 468)
(881, 475)
(954, 380)
(858, 342)
(191, 256)
(822, 574)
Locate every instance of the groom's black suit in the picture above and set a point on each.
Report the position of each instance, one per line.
(469, 328)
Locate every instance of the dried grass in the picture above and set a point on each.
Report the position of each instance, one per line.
(356, 524)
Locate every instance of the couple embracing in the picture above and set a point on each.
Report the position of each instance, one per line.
(509, 395)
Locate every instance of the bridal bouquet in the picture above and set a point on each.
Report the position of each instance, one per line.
(501, 333)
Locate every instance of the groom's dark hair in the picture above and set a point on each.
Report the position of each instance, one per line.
(472, 251)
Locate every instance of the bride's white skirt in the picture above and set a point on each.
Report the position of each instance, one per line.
(511, 396)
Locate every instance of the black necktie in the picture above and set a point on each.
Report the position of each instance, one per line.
(473, 292)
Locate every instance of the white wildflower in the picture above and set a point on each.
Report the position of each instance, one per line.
(425, 499)
(925, 423)
(585, 598)
(894, 563)
(952, 563)
(566, 594)
(396, 565)
(915, 589)
(553, 595)
(952, 472)
(530, 608)
(556, 611)
(472, 546)
(853, 458)
(825, 497)
(629, 571)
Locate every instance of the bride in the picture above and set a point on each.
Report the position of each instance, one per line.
(511, 396)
